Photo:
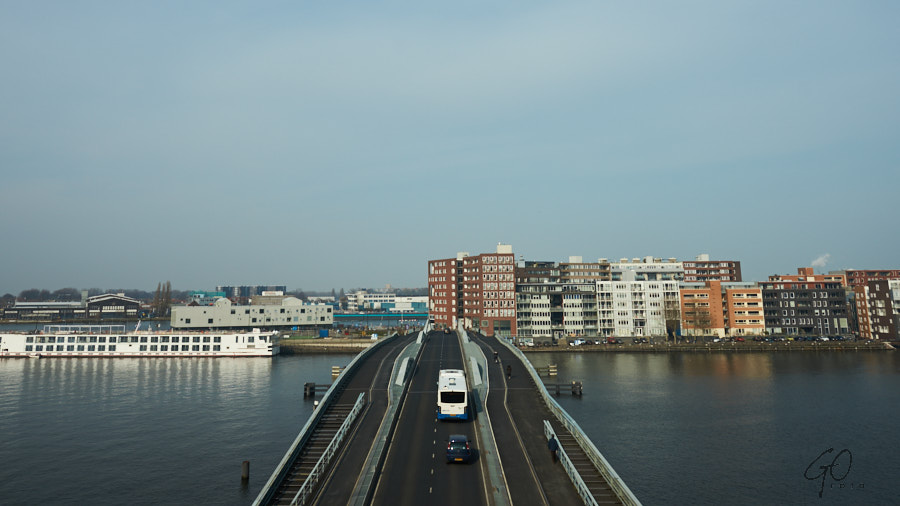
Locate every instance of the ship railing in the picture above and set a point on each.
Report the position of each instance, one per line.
(603, 466)
(312, 480)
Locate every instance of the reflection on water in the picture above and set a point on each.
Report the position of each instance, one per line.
(149, 430)
(738, 428)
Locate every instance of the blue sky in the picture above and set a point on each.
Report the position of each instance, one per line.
(345, 144)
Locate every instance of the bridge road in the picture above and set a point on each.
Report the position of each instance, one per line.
(372, 377)
(415, 470)
(517, 413)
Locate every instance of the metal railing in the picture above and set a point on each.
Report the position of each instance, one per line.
(567, 464)
(271, 486)
(606, 470)
(309, 485)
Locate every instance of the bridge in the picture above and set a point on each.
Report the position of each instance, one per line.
(375, 438)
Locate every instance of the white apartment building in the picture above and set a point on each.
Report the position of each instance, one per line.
(630, 306)
(648, 269)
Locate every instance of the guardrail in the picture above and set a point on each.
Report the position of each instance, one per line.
(606, 470)
(312, 479)
(269, 489)
(580, 486)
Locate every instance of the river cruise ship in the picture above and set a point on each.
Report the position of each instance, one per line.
(111, 341)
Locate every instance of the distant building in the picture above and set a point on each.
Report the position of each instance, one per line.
(722, 309)
(203, 298)
(878, 309)
(648, 269)
(703, 269)
(274, 313)
(856, 277)
(807, 304)
(630, 306)
(106, 306)
(477, 291)
(243, 293)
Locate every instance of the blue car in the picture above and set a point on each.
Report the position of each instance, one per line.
(458, 449)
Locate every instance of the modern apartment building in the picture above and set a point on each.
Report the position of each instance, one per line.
(648, 269)
(877, 309)
(478, 291)
(637, 307)
(555, 300)
(703, 269)
(806, 304)
(722, 309)
(857, 277)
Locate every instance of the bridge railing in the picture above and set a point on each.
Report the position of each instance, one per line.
(312, 480)
(271, 487)
(606, 470)
(573, 473)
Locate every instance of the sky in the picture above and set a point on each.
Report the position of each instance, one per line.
(325, 145)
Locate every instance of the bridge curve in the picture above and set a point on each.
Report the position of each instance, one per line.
(391, 454)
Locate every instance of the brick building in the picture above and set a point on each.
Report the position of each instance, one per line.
(703, 269)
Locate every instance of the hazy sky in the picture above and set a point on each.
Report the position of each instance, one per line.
(344, 144)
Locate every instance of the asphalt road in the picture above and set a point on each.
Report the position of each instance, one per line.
(416, 470)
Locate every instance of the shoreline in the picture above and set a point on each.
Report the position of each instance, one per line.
(719, 347)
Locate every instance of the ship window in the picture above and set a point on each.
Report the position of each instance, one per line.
(102, 339)
(217, 339)
(92, 347)
(70, 347)
(164, 347)
(209, 320)
(164, 339)
(29, 347)
(143, 339)
(205, 347)
(72, 339)
(195, 347)
(196, 339)
(101, 347)
(82, 339)
(216, 347)
(112, 347)
(185, 347)
(143, 347)
(254, 320)
(175, 339)
(205, 339)
(152, 347)
(250, 339)
(134, 339)
(80, 347)
(93, 339)
(29, 339)
(59, 347)
(187, 320)
(112, 339)
(39, 347)
(154, 339)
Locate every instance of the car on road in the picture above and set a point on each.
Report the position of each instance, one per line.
(458, 449)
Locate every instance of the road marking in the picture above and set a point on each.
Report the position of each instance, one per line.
(429, 490)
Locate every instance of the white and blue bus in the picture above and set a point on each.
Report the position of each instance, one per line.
(453, 395)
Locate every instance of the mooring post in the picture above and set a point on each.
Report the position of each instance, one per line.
(245, 470)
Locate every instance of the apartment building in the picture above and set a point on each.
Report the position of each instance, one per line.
(552, 301)
(703, 269)
(478, 291)
(647, 269)
(857, 277)
(878, 309)
(722, 309)
(637, 307)
(806, 304)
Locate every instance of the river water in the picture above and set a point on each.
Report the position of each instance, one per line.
(679, 428)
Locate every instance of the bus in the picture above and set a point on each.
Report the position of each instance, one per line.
(453, 395)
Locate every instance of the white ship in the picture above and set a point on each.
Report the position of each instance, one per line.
(110, 341)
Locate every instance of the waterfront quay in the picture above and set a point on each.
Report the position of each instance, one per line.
(735, 347)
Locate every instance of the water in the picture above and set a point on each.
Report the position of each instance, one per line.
(679, 428)
(149, 430)
(741, 428)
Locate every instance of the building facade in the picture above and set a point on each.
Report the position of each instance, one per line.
(807, 304)
(286, 312)
(637, 307)
(703, 269)
(877, 309)
(857, 277)
(478, 291)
